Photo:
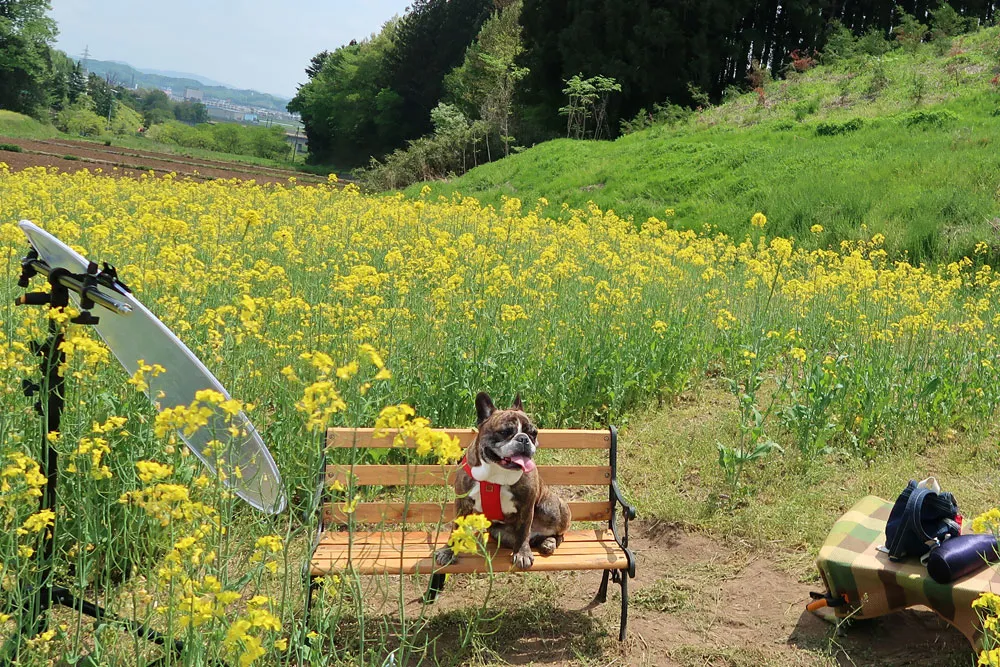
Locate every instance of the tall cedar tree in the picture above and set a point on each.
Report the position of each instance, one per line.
(431, 41)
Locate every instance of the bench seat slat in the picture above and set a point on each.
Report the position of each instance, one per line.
(331, 538)
(385, 557)
(363, 438)
(440, 512)
(422, 550)
(437, 475)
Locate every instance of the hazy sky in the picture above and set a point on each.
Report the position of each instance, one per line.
(264, 45)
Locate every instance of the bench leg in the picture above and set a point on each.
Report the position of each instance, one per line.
(436, 586)
(602, 592)
(624, 622)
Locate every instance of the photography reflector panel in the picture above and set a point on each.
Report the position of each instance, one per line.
(142, 336)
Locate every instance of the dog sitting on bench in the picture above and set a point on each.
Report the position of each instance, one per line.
(498, 477)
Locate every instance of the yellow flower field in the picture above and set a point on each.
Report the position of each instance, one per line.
(321, 306)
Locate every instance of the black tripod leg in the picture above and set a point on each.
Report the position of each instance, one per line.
(602, 592)
(624, 621)
(313, 585)
(32, 621)
(436, 586)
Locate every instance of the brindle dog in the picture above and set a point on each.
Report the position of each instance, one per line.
(502, 454)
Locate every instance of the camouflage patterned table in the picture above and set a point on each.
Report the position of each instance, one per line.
(851, 565)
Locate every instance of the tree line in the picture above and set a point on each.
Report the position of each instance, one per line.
(461, 81)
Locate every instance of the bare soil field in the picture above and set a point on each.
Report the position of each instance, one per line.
(692, 605)
(119, 161)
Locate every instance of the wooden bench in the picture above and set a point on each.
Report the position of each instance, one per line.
(392, 547)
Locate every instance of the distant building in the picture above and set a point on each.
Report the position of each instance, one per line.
(297, 139)
(250, 118)
(168, 90)
(192, 94)
(224, 115)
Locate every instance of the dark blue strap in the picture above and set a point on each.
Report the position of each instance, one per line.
(914, 511)
(911, 516)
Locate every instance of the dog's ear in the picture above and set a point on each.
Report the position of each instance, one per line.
(484, 407)
(518, 405)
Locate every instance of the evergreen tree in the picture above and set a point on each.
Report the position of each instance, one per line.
(77, 82)
(431, 41)
(102, 94)
(486, 81)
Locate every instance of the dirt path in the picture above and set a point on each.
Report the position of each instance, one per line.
(693, 605)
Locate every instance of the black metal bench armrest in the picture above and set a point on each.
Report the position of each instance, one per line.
(628, 511)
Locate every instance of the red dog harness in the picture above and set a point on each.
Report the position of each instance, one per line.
(489, 494)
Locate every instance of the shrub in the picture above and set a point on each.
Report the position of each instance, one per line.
(840, 44)
(758, 75)
(946, 22)
(928, 118)
(451, 151)
(910, 32)
(662, 114)
(126, 121)
(874, 43)
(833, 128)
(266, 142)
(918, 86)
(80, 121)
(804, 108)
(801, 62)
(878, 79)
(13, 148)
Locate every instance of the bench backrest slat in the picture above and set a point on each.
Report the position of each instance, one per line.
(439, 512)
(395, 511)
(363, 438)
(437, 475)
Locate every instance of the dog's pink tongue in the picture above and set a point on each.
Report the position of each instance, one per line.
(526, 462)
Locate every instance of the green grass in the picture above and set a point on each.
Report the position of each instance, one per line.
(24, 127)
(918, 168)
(141, 143)
(794, 501)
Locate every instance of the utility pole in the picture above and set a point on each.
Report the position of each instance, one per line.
(295, 146)
(86, 57)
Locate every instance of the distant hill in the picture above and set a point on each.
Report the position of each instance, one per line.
(125, 74)
(204, 80)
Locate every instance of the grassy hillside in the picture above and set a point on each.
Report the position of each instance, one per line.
(902, 143)
(13, 124)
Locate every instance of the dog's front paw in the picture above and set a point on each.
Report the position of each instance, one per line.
(444, 557)
(548, 546)
(523, 560)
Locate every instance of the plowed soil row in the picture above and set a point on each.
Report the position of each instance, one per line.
(88, 156)
(56, 146)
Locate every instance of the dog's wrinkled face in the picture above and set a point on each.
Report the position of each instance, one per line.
(507, 438)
